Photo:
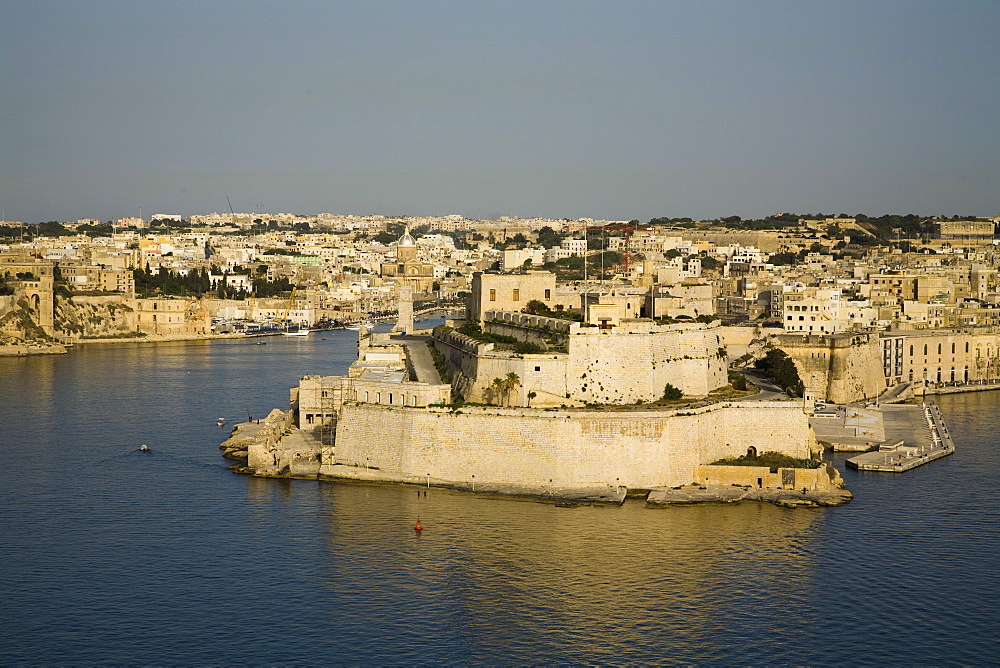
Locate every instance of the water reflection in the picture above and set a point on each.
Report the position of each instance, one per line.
(594, 584)
(219, 568)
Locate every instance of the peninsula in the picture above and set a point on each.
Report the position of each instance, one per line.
(505, 402)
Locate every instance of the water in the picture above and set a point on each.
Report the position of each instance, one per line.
(109, 555)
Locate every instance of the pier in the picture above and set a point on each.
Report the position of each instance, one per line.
(898, 455)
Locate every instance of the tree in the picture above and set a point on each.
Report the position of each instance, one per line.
(779, 368)
(536, 307)
(496, 390)
(709, 263)
(547, 237)
(510, 383)
(671, 393)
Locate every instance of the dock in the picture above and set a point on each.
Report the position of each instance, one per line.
(898, 455)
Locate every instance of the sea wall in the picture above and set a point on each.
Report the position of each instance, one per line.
(544, 449)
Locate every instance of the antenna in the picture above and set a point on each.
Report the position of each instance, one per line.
(232, 213)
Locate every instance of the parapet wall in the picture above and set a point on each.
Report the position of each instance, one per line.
(563, 449)
(528, 321)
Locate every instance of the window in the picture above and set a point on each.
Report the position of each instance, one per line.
(939, 349)
(538, 368)
(911, 351)
(953, 349)
(925, 349)
(548, 293)
(517, 295)
(493, 295)
(966, 346)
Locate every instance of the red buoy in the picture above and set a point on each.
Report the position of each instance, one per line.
(418, 527)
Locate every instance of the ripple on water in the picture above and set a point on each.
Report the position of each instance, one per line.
(114, 556)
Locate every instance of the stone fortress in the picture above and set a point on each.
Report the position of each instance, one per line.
(570, 416)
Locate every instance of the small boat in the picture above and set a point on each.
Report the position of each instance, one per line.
(296, 331)
(143, 448)
(262, 343)
(221, 422)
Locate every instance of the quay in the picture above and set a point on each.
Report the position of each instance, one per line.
(897, 455)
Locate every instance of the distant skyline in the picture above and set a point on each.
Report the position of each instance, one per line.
(623, 110)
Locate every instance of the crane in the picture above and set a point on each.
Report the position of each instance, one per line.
(288, 307)
(627, 228)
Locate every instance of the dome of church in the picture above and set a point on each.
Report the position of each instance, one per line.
(406, 240)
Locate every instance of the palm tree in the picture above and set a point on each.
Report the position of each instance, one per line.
(510, 384)
(496, 390)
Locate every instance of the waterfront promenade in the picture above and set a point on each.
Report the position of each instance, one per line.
(909, 443)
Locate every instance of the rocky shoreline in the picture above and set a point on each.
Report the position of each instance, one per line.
(720, 494)
(26, 349)
(62, 347)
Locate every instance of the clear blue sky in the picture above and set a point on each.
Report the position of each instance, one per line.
(614, 110)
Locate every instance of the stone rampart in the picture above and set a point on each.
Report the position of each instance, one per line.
(527, 327)
(545, 449)
(823, 478)
(840, 368)
(622, 365)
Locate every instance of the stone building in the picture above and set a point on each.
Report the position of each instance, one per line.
(172, 317)
(951, 355)
(408, 269)
(512, 292)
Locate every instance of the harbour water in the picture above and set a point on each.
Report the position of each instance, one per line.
(111, 555)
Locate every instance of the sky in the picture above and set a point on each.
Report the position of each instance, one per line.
(608, 110)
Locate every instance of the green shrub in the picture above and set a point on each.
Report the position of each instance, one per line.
(671, 393)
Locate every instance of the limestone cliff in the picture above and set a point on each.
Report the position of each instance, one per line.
(20, 331)
(94, 317)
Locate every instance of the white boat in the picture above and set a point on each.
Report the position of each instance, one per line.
(221, 422)
(295, 331)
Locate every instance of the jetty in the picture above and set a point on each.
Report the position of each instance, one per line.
(898, 455)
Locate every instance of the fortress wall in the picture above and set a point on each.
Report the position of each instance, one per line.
(857, 373)
(839, 368)
(639, 449)
(618, 368)
(687, 359)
